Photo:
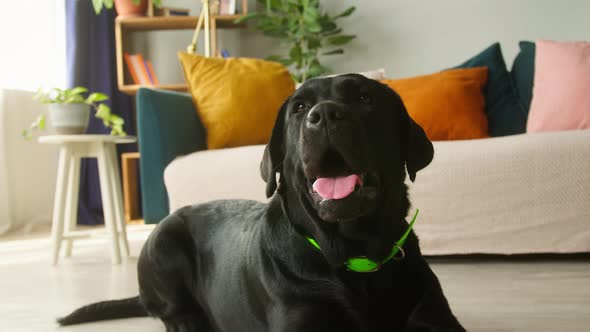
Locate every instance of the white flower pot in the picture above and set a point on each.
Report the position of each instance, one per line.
(69, 119)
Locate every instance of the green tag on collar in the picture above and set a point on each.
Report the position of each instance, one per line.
(363, 264)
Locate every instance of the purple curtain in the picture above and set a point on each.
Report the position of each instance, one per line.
(90, 44)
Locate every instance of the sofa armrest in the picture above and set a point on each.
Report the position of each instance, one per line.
(168, 126)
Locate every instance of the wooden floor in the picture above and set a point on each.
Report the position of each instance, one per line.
(519, 295)
(486, 294)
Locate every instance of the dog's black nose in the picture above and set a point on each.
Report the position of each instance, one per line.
(314, 117)
(327, 111)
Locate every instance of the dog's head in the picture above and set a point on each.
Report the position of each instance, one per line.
(340, 144)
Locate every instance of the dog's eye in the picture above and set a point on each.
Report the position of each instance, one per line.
(300, 107)
(365, 98)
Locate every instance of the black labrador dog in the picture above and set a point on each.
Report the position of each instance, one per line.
(326, 253)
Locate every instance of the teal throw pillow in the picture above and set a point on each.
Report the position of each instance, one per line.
(523, 73)
(505, 114)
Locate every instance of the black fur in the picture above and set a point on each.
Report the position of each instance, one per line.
(106, 310)
(240, 265)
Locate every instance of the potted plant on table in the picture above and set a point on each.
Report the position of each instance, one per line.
(124, 7)
(306, 29)
(69, 112)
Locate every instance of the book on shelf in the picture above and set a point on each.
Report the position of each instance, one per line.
(170, 11)
(150, 69)
(141, 70)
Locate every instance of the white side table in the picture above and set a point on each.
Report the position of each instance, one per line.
(65, 208)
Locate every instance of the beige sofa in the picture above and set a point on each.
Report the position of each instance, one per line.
(518, 194)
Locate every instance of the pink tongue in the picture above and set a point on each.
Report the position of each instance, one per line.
(336, 188)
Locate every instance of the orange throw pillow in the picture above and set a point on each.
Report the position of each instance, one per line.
(449, 105)
(237, 98)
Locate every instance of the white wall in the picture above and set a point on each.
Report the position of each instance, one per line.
(410, 37)
(407, 37)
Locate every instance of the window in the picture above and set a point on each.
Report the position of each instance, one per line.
(32, 44)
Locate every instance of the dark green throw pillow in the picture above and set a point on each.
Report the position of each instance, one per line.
(505, 114)
(523, 73)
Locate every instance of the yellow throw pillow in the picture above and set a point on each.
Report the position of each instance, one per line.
(237, 99)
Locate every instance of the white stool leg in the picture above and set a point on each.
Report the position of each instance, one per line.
(118, 197)
(59, 202)
(107, 200)
(71, 214)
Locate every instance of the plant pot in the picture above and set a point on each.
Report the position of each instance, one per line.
(69, 119)
(126, 8)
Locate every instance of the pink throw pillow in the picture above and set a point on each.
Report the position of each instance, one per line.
(561, 90)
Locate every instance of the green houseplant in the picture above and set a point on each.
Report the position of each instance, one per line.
(306, 30)
(69, 111)
(108, 4)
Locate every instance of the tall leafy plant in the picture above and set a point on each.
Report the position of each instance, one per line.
(306, 29)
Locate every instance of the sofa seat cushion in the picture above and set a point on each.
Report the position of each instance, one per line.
(503, 195)
(215, 174)
(514, 194)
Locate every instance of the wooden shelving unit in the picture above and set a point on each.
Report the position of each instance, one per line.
(126, 25)
(146, 23)
(130, 181)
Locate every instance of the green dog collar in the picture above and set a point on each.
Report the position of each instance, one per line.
(363, 264)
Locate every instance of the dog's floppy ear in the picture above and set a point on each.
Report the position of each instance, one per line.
(417, 150)
(274, 153)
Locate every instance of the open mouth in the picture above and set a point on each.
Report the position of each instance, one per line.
(336, 180)
(337, 187)
(341, 187)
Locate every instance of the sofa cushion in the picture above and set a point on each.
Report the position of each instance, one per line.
(523, 73)
(561, 92)
(237, 98)
(200, 177)
(505, 114)
(449, 105)
(506, 195)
